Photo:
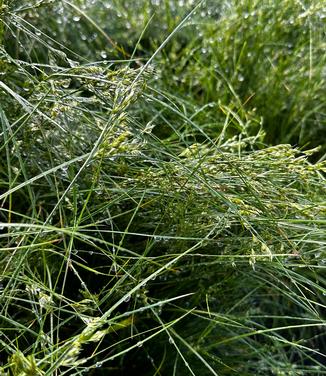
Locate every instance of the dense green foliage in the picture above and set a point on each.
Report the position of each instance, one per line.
(162, 187)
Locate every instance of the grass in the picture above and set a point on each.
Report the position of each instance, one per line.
(162, 188)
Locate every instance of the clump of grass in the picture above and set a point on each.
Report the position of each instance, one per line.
(138, 239)
(265, 57)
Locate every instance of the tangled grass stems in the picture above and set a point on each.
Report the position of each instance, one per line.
(148, 231)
